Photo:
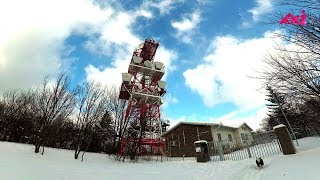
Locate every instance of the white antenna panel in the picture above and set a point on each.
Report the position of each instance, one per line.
(148, 64)
(141, 46)
(152, 88)
(137, 59)
(126, 77)
(139, 86)
(159, 65)
(162, 84)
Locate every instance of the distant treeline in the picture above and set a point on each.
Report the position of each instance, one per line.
(86, 118)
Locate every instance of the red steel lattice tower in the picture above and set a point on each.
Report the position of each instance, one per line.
(143, 88)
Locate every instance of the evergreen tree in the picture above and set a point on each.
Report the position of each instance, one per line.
(276, 104)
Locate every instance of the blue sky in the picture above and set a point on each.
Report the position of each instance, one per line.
(210, 48)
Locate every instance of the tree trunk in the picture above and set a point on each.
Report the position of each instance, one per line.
(76, 154)
(37, 148)
(77, 151)
(86, 148)
(42, 149)
(37, 145)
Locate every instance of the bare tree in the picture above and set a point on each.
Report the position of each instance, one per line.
(52, 102)
(294, 70)
(117, 107)
(298, 75)
(91, 107)
(16, 117)
(306, 36)
(11, 106)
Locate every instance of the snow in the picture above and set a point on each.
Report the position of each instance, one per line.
(279, 126)
(307, 143)
(201, 141)
(17, 161)
(235, 124)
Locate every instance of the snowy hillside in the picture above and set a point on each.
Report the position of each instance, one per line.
(18, 162)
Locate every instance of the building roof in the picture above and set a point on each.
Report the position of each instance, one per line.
(238, 125)
(235, 126)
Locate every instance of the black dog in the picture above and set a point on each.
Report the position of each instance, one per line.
(259, 162)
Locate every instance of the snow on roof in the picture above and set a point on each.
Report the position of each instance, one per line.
(279, 126)
(233, 126)
(201, 141)
(236, 125)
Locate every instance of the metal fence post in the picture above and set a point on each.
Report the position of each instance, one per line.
(220, 151)
(248, 148)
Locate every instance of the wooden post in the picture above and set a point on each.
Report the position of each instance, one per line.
(198, 134)
(184, 138)
(179, 141)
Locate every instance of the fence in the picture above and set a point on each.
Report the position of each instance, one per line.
(256, 145)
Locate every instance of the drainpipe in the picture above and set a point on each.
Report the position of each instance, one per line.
(219, 144)
(220, 124)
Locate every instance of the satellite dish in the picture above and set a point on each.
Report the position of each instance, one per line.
(162, 101)
(126, 77)
(137, 59)
(148, 64)
(141, 46)
(162, 84)
(159, 65)
(139, 86)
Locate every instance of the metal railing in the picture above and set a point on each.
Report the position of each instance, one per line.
(262, 145)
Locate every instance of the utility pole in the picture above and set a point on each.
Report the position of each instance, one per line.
(285, 117)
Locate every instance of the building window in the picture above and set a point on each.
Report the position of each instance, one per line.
(244, 137)
(230, 137)
(219, 137)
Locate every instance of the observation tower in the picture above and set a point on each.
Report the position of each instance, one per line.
(143, 89)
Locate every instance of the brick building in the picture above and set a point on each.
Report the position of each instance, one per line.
(181, 137)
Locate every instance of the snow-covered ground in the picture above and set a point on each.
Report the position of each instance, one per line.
(307, 143)
(17, 161)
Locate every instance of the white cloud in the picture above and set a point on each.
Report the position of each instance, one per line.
(118, 41)
(33, 34)
(112, 75)
(164, 6)
(187, 24)
(253, 121)
(169, 99)
(226, 73)
(144, 13)
(263, 7)
(204, 2)
(185, 27)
